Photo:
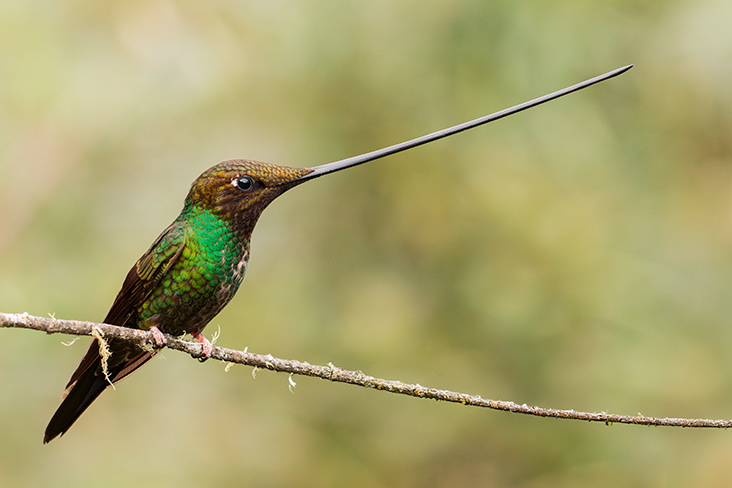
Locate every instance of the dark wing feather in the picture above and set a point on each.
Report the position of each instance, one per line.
(146, 274)
(88, 380)
(139, 283)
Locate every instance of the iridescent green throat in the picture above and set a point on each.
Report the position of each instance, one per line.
(203, 279)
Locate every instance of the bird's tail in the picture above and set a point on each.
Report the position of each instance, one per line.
(90, 379)
(84, 391)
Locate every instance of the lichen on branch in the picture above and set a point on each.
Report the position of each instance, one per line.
(144, 339)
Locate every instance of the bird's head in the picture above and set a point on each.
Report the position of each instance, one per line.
(239, 190)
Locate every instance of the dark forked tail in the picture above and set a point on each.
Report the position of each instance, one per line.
(89, 381)
(86, 389)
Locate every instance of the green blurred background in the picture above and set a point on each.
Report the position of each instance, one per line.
(576, 256)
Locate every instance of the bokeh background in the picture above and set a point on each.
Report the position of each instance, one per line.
(576, 256)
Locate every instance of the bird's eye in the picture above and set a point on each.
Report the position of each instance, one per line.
(244, 183)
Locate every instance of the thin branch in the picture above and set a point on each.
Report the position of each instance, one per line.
(333, 373)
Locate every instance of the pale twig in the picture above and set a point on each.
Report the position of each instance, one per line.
(336, 374)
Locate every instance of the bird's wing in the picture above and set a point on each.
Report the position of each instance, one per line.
(91, 377)
(140, 282)
(146, 274)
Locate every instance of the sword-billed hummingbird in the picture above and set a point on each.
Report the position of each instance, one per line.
(195, 266)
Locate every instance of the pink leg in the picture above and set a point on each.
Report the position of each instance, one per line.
(205, 343)
(158, 336)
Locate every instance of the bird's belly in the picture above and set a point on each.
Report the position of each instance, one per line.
(191, 295)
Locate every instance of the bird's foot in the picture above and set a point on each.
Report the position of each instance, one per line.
(158, 337)
(206, 347)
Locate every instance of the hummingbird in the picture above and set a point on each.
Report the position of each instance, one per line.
(194, 268)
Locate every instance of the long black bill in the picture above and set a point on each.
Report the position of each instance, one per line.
(403, 146)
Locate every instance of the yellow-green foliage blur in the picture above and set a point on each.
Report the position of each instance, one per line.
(575, 256)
